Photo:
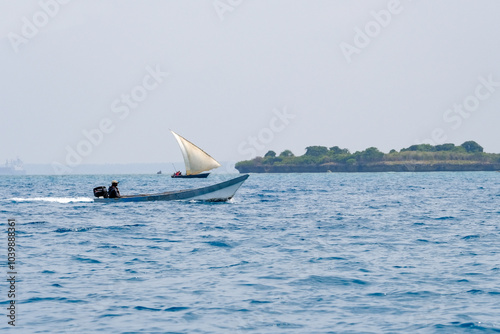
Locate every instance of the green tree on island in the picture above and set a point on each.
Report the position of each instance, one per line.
(370, 154)
(316, 151)
(286, 154)
(472, 147)
(420, 148)
(338, 150)
(445, 147)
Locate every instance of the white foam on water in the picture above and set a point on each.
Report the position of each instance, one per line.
(53, 199)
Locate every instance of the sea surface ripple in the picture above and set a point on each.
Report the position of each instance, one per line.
(291, 253)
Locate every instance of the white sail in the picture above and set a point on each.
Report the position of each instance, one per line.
(195, 159)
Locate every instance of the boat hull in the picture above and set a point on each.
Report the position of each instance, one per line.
(219, 192)
(195, 176)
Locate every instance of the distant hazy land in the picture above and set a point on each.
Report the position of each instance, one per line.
(417, 158)
(120, 169)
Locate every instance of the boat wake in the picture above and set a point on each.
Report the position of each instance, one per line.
(53, 199)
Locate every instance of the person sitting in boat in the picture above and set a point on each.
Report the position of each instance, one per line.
(113, 191)
(178, 173)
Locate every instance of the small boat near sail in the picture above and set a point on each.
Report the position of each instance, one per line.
(219, 192)
(196, 160)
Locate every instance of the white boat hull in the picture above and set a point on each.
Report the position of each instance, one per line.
(216, 193)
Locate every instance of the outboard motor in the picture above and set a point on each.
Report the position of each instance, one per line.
(101, 192)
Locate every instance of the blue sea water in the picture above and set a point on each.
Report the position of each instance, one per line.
(291, 253)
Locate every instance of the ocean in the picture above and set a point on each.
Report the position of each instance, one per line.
(290, 253)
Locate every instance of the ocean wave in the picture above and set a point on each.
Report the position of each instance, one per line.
(53, 199)
(287, 265)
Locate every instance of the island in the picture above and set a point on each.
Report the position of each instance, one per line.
(469, 156)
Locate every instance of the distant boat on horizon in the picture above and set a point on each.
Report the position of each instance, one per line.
(196, 160)
(13, 167)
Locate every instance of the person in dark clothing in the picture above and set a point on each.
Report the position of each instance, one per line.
(113, 191)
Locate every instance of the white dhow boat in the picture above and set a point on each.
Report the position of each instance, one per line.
(195, 159)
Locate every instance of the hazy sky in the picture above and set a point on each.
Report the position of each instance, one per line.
(104, 81)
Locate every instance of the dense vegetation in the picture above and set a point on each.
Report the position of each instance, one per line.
(423, 157)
